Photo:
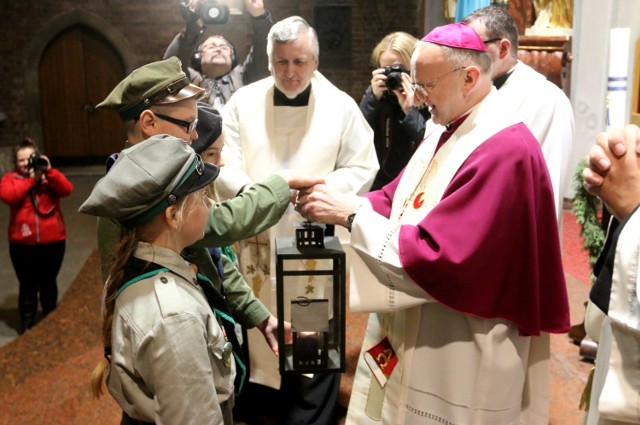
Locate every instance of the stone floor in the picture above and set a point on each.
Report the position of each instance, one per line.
(45, 372)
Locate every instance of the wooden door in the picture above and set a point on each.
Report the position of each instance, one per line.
(77, 71)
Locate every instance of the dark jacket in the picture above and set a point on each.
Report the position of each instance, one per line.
(396, 135)
(254, 68)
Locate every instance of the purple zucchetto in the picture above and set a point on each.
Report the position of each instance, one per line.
(459, 36)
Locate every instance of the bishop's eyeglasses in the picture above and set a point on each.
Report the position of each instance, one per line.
(425, 88)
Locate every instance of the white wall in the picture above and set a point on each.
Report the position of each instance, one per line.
(592, 21)
(433, 15)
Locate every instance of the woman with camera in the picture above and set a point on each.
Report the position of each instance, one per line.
(388, 107)
(36, 228)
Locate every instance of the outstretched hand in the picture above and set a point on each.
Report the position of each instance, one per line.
(299, 182)
(269, 329)
(325, 205)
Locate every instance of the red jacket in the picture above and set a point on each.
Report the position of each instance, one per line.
(25, 226)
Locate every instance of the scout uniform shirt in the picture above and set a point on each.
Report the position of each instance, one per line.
(170, 358)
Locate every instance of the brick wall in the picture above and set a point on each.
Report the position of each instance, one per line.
(149, 25)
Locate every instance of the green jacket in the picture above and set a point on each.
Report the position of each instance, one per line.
(246, 215)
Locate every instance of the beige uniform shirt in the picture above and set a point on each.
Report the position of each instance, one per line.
(167, 362)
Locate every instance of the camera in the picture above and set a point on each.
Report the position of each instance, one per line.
(212, 12)
(37, 162)
(394, 76)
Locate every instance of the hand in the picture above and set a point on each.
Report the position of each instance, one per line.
(255, 8)
(46, 158)
(302, 182)
(297, 182)
(598, 161)
(613, 171)
(191, 14)
(194, 5)
(378, 83)
(38, 175)
(269, 328)
(324, 205)
(405, 94)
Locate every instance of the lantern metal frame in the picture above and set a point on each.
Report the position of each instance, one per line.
(330, 348)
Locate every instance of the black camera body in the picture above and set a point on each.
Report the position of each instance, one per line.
(209, 11)
(37, 162)
(394, 76)
(212, 12)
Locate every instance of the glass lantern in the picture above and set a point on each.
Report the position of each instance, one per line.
(310, 285)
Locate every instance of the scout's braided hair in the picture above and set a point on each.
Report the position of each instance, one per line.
(124, 252)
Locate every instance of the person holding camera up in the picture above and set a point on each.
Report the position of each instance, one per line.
(388, 107)
(214, 62)
(37, 232)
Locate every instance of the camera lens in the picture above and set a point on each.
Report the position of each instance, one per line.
(41, 164)
(37, 162)
(214, 13)
(394, 76)
(394, 81)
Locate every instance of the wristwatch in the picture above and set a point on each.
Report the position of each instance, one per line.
(350, 218)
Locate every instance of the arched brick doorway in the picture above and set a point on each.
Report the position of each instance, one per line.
(77, 70)
(96, 29)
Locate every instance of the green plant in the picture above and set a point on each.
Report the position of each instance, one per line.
(585, 208)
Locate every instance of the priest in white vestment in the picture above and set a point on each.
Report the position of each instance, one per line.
(541, 105)
(294, 120)
(458, 259)
(613, 312)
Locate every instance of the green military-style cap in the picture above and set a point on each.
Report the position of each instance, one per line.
(146, 179)
(157, 83)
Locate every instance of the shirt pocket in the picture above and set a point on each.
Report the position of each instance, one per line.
(222, 361)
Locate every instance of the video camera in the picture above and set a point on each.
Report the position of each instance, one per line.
(37, 162)
(394, 76)
(210, 11)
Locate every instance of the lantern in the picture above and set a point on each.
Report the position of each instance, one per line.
(310, 285)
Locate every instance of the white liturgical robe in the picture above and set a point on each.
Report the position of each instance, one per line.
(328, 138)
(547, 111)
(467, 363)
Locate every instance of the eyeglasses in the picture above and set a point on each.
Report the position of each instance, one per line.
(223, 47)
(491, 40)
(424, 89)
(189, 126)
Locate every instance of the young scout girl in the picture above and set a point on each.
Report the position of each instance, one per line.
(168, 357)
(209, 145)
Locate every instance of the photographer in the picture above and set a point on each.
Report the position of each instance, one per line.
(36, 228)
(214, 63)
(388, 106)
